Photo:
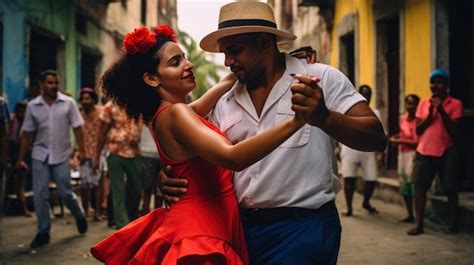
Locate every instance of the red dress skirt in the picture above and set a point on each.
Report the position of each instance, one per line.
(204, 224)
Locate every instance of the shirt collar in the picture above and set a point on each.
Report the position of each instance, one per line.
(242, 97)
(40, 100)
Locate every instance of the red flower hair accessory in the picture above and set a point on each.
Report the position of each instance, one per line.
(165, 31)
(139, 41)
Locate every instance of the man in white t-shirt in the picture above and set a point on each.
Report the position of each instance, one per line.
(287, 198)
(352, 160)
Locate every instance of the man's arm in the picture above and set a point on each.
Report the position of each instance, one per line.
(358, 128)
(422, 125)
(25, 141)
(103, 131)
(80, 142)
(449, 124)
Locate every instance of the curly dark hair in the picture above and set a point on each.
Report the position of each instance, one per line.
(415, 97)
(123, 81)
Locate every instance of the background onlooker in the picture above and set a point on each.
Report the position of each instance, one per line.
(122, 136)
(436, 154)
(407, 140)
(49, 117)
(4, 121)
(19, 176)
(90, 181)
(352, 160)
(151, 166)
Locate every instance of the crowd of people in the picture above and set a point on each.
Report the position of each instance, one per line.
(260, 168)
(38, 149)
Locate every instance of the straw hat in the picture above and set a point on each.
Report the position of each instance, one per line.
(244, 17)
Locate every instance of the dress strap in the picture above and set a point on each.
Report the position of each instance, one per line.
(158, 111)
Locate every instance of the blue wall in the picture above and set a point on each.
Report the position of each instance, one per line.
(15, 63)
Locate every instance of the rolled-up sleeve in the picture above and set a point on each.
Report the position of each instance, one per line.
(339, 94)
(29, 124)
(75, 117)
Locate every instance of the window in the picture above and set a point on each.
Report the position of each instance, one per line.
(81, 23)
(89, 62)
(43, 54)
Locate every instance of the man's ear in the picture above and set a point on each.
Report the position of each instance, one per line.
(151, 80)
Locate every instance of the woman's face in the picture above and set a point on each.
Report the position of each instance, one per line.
(411, 104)
(175, 71)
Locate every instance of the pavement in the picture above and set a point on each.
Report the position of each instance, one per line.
(366, 239)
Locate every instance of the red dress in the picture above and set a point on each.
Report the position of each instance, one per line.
(204, 222)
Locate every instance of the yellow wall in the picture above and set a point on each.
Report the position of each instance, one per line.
(341, 9)
(417, 45)
(365, 53)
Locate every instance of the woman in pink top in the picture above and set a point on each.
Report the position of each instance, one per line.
(407, 141)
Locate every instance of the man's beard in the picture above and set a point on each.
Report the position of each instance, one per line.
(252, 78)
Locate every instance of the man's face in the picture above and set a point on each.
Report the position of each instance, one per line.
(243, 55)
(50, 85)
(20, 113)
(87, 101)
(438, 86)
(411, 104)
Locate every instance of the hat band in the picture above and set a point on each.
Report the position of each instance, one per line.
(246, 22)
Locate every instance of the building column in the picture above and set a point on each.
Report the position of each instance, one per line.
(15, 63)
(71, 52)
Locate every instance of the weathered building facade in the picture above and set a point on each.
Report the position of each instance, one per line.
(393, 46)
(79, 38)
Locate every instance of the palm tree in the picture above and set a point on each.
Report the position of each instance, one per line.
(205, 70)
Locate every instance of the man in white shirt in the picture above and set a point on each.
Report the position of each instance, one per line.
(287, 199)
(49, 118)
(352, 160)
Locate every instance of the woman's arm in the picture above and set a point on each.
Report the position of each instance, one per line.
(196, 136)
(206, 102)
(411, 143)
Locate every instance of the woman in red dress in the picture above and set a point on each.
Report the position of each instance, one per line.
(151, 81)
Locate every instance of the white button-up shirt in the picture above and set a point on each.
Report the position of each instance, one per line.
(301, 172)
(52, 127)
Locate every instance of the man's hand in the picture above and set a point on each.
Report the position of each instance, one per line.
(82, 157)
(95, 165)
(308, 100)
(436, 101)
(169, 188)
(21, 165)
(394, 140)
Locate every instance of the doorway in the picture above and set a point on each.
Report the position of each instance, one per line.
(43, 54)
(388, 80)
(347, 56)
(461, 83)
(89, 64)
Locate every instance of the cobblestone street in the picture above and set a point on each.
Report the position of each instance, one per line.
(366, 239)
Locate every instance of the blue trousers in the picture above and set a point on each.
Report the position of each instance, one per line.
(312, 240)
(61, 174)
